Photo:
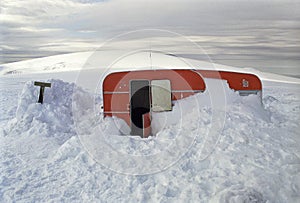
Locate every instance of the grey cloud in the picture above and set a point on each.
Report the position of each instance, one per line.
(233, 32)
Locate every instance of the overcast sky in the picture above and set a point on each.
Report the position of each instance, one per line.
(259, 34)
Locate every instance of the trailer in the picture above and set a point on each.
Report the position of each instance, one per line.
(133, 95)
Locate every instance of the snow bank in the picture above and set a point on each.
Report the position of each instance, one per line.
(53, 118)
(64, 150)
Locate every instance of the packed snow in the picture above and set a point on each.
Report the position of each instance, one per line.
(64, 150)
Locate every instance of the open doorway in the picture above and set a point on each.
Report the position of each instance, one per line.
(139, 105)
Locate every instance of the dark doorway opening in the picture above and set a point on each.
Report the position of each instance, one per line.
(139, 104)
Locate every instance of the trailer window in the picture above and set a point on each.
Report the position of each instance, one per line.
(161, 95)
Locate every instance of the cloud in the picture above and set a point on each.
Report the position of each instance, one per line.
(226, 29)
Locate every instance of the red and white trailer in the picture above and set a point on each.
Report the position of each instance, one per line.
(133, 95)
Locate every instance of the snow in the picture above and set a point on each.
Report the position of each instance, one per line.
(57, 63)
(235, 149)
(112, 61)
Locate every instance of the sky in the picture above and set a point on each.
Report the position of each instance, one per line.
(260, 34)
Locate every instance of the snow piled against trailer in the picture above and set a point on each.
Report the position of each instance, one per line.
(55, 151)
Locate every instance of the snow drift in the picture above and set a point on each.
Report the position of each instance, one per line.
(53, 152)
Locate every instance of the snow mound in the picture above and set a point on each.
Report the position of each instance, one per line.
(53, 118)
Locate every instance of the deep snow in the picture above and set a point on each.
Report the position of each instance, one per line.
(64, 150)
(256, 158)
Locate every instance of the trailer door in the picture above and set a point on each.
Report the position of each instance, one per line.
(161, 95)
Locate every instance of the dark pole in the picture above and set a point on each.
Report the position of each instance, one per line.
(41, 97)
(42, 89)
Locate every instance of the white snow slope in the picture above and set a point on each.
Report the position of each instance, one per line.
(122, 60)
(54, 152)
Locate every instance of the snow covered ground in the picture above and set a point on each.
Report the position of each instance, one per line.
(64, 150)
